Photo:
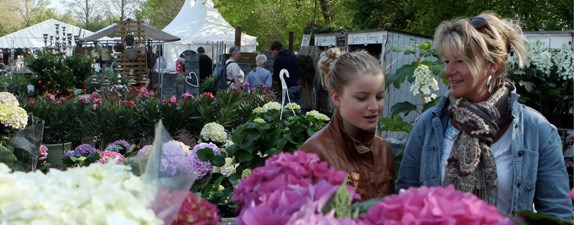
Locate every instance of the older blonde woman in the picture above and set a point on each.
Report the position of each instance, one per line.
(478, 137)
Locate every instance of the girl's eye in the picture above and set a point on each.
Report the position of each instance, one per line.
(379, 97)
(361, 98)
(446, 61)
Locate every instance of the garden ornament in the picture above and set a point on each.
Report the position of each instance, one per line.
(284, 91)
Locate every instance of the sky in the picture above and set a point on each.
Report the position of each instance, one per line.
(58, 5)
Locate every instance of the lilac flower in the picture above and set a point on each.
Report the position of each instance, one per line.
(173, 161)
(199, 167)
(81, 150)
(121, 146)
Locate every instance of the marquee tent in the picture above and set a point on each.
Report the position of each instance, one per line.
(32, 36)
(198, 23)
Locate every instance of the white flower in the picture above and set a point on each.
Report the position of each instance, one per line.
(259, 121)
(317, 115)
(424, 83)
(259, 110)
(564, 61)
(539, 57)
(292, 106)
(7, 98)
(228, 168)
(272, 106)
(213, 132)
(13, 116)
(97, 194)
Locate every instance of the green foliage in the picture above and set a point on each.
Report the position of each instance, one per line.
(57, 74)
(341, 202)
(423, 53)
(15, 84)
(307, 67)
(62, 116)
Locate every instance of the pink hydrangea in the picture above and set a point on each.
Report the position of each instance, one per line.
(432, 205)
(106, 155)
(195, 210)
(273, 193)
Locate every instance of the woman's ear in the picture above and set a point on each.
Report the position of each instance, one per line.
(335, 98)
(493, 68)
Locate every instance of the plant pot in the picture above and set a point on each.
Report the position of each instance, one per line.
(56, 153)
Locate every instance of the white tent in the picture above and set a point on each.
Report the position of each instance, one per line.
(32, 36)
(200, 24)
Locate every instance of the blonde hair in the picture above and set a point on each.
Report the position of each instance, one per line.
(260, 60)
(338, 69)
(490, 43)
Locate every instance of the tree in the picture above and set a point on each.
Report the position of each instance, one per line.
(159, 13)
(87, 11)
(124, 8)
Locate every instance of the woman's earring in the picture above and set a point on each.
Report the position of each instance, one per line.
(489, 84)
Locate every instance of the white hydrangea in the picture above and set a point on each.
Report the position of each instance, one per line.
(272, 106)
(13, 116)
(228, 168)
(97, 194)
(425, 83)
(292, 106)
(317, 115)
(259, 121)
(7, 98)
(259, 110)
(213, 132)
(539, 57)
(564, 60)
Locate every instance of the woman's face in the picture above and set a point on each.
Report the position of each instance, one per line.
(361, 102)
(461, 81)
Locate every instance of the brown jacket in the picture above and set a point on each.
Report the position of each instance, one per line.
(368, 162)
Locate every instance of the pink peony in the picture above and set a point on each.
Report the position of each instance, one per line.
(106, 155)
(273, 193)
(432, 205)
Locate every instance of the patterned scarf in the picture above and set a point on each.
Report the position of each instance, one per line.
(471, 166)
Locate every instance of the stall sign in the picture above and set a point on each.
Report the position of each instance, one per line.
(367, 38)
(325, 41)
(305, 40)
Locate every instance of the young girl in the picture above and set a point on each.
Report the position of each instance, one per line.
(356, 85)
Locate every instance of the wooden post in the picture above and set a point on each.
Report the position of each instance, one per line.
(238, 37)
(291, 41)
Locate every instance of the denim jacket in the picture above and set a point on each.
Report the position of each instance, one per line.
(540, 179)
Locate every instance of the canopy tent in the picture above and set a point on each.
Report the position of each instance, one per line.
(200, 24)
(32, 36)
(149, 31)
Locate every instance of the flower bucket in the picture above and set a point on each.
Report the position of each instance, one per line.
(56, 153)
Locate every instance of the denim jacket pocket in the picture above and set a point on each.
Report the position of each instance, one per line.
(529, 168)
(430, 160)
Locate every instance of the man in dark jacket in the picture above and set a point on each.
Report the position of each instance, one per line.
(205, 64)
(284, 59)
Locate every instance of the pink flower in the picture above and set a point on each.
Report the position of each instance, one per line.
(208, 95)
(129, 103)
(43, 152)
(52, 97)
(246, 84)
(94, 106)
(83, 101)
(571, 194)
(194, 210)
(173, 99)
(186, 95)
(106, 155)
(434, 205)
(271, 194)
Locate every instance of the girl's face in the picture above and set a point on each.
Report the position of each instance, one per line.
(361, 102)
(462, 83)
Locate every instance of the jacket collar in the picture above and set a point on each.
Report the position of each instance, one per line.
(362, 143)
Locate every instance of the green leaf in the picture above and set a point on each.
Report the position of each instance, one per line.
(403, 107)
(218, 161)
(395, 123)
(425, 46)
(359, 208)
(529, 86)
(401, 75)
(205, 154)
(405, 49)
(341, 202)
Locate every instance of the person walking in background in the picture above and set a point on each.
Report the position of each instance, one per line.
(478, 137)
(234, 73)
(349, 142)
(284, 59)
(205, 64)
(260, 77)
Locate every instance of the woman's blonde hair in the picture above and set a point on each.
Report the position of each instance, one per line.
(484, 38)
(337, 68)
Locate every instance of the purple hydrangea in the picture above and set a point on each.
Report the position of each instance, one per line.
(199, 167)
(81, 150)
(118, 146)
